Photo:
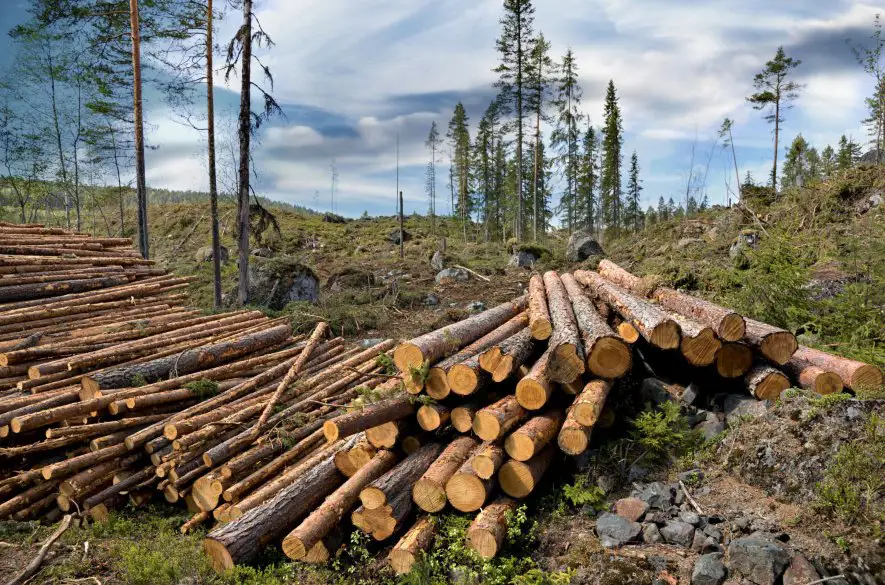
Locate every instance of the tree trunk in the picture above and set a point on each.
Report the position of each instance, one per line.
(429, 491)
(526, 441)
(446, 341)
(567, 358)
(502, 361)
(140, 184)
(419, 537)
(210, 135)
(534, 389)
(574, 438)
(400, 478)
(466, 491)
(607, 355)
(777, 345)
(496, 420)
(854, 374)
(539, 314)
(378, 413)
(653, 324)
(244, 133)
(488, 530)
(318, 524)
(518, 479)
(587, 407)
(765, 382)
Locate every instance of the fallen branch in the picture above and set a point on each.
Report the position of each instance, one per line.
(474, 273)
(35, 564)
(690, 499)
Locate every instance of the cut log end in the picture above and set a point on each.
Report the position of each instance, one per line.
(519, 446)
(466, 492)
(610, 358)
(294, 548)
(486, 426)
(665, 335)
(219, 557)
(566, 365)
(628, 332)
(408, 356)
(770, 385)
(436, 385)
(701, 349)
(779, 347)
(828, 383)
(516, 479)
(432, 417)
(330, 431)
(462, 419)
(541, 329)
(732, 327)
(484, 542)
(866, 377)
(383, 436)
(488, 360)
(531, 395)
(574, 439)
(503, 369)
(463, 380)
(733, 360)
(429, 495)
(373, 497)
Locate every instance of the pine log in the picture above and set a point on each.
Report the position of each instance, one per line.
(438, 344)
(461, 416)
(526, 441)
(429, 491)
(574, 438)
(505, 360)
(588, 406)
(488, 459)
(813, 378)
(854, 374)
(727, 325)
(518, 479)
(765, 382)
(400, 478)
(699, 343)
(489, 529)
(467, 377)
(433, 416)
(416, 540)
(733, 360)
(607, 354)
(372, 415)
(567, 359)
(350, 461)
(466, 491)
(628, 332)
(539, 314)
(439, 377)
(496, 420)
(71, 466)
(534, 390)
(655, 325)
(322, 520)
(387, 435)
(777, 345)
(241, 540)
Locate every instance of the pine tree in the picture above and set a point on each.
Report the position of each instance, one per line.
(515, 46)
(848, 155)
(566, 135)
(828, 161)
(632, 210)
(484, 166)
(540, 84)
(433, 144)
(459, 140)
(871, 59)
(587, 201)
(612, 142)
(775, 94)
(663, 209)
(651, 216)
(795, 170)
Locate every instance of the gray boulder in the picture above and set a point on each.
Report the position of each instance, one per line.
(476, 306)
(452, 275)
(760, 561)
(678, 533)
(737, 406)
(582, 245)
(263, 252)
(522, 259)
(657, 495)
(710, 429)
(651, 534)
(614, 530)
(204, 254)
(438, 261)
(709, 570)
(431, 300)
(800, 572)
(393, 237)
(276, 282)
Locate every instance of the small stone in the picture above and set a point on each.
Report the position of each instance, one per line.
(698, 540)
(614, 530)
(679, 498)
(657, 495)
(438, 261)
(691, 393)
(431, 300)
(738, 406)
(678, 533)
(800, 572)
(631, 508)
(711, 429)
(452, 275)
(760, 561)
(476, 307)
(713, 532)
(711, 545)
(651, 534)
(522, 259)
(656, 517)
(741, 524)
(690, 518)
(853, 413)
(709, 570)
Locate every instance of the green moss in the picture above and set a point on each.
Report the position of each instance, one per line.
(203, 388)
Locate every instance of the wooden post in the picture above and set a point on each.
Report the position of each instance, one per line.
(402, 252)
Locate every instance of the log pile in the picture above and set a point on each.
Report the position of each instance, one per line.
(118, 393)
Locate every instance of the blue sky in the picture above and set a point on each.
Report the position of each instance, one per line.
(352, 76)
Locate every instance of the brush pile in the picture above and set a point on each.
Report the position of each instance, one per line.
(113, 391)
(486, 406)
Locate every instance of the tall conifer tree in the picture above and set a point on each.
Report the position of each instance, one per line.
(540, 84)
(587, 202)
(566, 135)
(459, 140)
(632, 211)
(612, 143)
(433, 144)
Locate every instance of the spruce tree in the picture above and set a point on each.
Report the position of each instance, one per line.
(632, 211)
(651, 216)
(848, 155)
(433, 144)
(484, 165)
(566, 135)
(795, 171)
(515, 46)
(459, 140)
(612, 143)
(588, 181)
(828, 161)
(663, 209)
(775, 94)
(541, 79)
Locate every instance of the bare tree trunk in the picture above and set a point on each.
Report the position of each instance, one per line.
(777, 123)
(140, 185)
(734, 156)
(213, 183)
(244, 134)
(55, 116)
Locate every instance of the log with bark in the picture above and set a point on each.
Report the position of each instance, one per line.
(487, 531)
(733, 360)
(496, 420)
(539, 314)
(372, 415)
(401, 478)
(429, 491)
(777, 345)
(417, 539)
(466, 491)
(504, 360)
(519, 478)
(530, 438)
(765, 382)
(567, 349)
(854, 374)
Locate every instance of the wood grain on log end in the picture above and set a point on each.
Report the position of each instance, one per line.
(467, 492)
(436, 385)
(488, 460)
(700, 350)
(531, 394)
(628, 332)
(432, 416)
(733, 360)
(404, 554)
(665, 335)
(219, 557)
(519, 478)
(610, 358)
(732, 328)
(462, 418)
(779, 347)
(766, 383)
(574, 438)
(487, 532)
(463, 380)
(383, 436)
(866, 377)
(566, 365)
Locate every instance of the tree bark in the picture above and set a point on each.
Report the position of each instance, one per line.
(389, 410)
(777, 345)
(245, 134)
(567, 358)
(765, 382)
(140, 184)
(488, 530)
(504, 360)
(496, 420)
(526, 441)
(418, 538)
(318, 524)
(854, 374)
(400, 478)
(539, 314)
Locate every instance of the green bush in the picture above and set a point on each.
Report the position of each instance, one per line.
(664, 432)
